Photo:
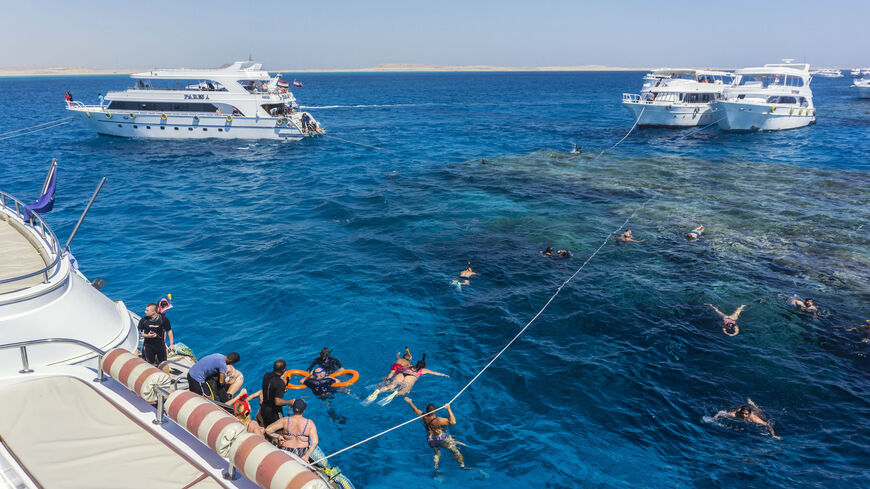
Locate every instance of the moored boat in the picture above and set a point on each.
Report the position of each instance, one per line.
(677, 97)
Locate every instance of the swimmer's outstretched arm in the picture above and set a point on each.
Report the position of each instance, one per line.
(432, 372)
(720, 313)
(738, 311)
(416, 410)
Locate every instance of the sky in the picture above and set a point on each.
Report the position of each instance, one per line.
(356, 34)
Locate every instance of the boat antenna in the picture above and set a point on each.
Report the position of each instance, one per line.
(787, 60)
(82, 217)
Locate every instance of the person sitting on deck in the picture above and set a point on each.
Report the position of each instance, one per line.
(207, 377)
(298, 434)
(436, 434)
(242, 412)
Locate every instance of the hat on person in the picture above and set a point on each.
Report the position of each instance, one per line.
(318, 370)
(299, 405)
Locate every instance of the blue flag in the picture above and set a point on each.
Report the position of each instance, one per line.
(45, 202)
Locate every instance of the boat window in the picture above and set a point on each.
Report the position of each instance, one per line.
(794, 81)
(781, 99)
(162, 106)
(193, 84)
(699, 98)
(764, 80)
(667, 97)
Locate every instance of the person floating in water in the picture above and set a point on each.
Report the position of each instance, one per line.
(577, 149)
(403, 382)
(468, 272)
(483, 161)
(806, 305)
(627, 237)
(729, 321)
(750, 413)
(328, 363)
(564, 253)
(561, 253)
(548, 251)
(865, 328)
(436, 432)
(694, 234)
(403, 362)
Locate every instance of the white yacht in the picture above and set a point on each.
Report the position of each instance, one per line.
(677, 97)
(83, 411)
(828, 73)
(237, 101)
(768, 98)
(856, 72)
(863, 86)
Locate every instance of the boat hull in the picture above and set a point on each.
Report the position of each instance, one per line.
(188, 126)
(745, 117)
(660, 115)
(863, 92)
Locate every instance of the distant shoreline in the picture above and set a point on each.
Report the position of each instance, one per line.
(385, 68)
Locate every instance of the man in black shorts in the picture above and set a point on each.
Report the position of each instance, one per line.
(273, 394)
(153, 327)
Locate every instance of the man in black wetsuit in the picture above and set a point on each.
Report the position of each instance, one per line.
(273, 394)
(320, 384)
(328, 363)
(153, 327)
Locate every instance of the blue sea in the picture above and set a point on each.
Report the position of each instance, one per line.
(275, 250)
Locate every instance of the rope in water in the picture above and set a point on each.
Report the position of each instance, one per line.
(353, 142)
(696, 131)
(10, 134)
(623, 137)
(497, 355)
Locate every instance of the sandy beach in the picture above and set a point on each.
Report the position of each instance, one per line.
(383, 68)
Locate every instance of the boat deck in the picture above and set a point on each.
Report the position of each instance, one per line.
(20, 257)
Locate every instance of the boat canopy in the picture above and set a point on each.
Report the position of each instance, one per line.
(236, 71)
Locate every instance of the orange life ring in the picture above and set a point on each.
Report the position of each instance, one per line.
(354, 376)
(290, 373)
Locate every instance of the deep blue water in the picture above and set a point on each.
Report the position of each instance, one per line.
(278, 249)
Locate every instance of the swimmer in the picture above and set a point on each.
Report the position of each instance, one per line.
(577, 149)
(694, 234)
(483, 161)
(402, 362)
(468, 272)
(806, 305)
(548, 251)
(564, 253)
(436, 434)
(750, 413)
(863, 327)
(627, 237)
(729, 321)
(403, 382)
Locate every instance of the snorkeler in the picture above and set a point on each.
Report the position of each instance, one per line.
(403, 382)
(577, 149)
(548, 251)
(729, 321)
(806, 305)
(436, 434)
(468, 272)
(694, 234)
(750, 413)
(564, 253)
(402, 362)
(627, 237)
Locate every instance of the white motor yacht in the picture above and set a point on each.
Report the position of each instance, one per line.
(677, 97)
(828, 73)
(768, 98)
(237, 101)
(863, 86)
(83, 411)
(855, 72)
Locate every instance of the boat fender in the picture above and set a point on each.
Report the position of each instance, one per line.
(280, 121)
(88, 114)
(791, 111)
(132, 115)
(772, 109)
(163, 116)
(196, 118)
(354, 376)
(290, 373)
(108, 115)
(229, 118)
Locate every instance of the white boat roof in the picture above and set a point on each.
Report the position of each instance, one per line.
(798, 69)
(244, 70)
(689, 71)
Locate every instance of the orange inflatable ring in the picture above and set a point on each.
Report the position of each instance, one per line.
(354, 376)
(290, 373)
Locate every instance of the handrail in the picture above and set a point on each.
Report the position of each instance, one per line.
(44, 230)
(25, 364)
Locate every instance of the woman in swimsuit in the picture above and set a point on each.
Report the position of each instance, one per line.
(436, 434)
(468, 272)
(299, 435)
(242, 411)
(694, 234)
(403, 382)
(729, 321)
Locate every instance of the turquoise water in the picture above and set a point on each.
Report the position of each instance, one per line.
(276, 250)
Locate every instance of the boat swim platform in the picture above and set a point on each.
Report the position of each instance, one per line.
(21, 255)
(63, 432)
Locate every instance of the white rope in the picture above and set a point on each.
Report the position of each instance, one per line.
(56, 124)
(511, 342)
(2, 135)
(354, 142)
(623, 137)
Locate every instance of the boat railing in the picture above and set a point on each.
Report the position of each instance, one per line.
(16, 207)
(25, 363)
